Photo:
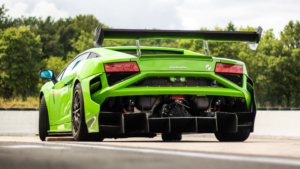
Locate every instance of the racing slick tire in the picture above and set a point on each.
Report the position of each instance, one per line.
(43, 120)
(240, 136)
(171, 136)
(79, 127)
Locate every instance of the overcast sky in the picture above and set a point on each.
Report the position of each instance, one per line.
(166, 14)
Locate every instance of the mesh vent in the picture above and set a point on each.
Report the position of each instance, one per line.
(95, 85)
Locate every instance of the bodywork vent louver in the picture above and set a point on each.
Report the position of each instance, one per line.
(95, 85)
(237, 79)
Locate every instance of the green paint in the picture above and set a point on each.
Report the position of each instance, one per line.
(59, 96)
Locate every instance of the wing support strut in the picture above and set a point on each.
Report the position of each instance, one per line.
(138, 48)
(205, 46)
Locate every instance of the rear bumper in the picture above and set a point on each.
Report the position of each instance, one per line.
(118, 124)
(122, 89)
(93, 102)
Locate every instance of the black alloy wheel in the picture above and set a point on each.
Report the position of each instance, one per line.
(79, 128)
(76, 112)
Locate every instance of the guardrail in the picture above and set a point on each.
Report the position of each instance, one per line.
(17, 122)
(278, 124)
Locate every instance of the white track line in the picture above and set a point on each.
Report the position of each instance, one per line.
(228, 157)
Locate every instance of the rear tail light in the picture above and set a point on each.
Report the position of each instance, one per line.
(228, 68)
(121, 67)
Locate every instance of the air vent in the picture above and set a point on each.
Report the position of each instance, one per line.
(115, 78)
(237, 79)
(93, 55)
(95, 85)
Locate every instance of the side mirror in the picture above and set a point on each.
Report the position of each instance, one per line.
(48, 74)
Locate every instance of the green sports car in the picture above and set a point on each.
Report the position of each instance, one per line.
(120, 92)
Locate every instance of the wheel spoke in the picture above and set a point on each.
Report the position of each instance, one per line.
(75, 98)
(74, 106)
(76, 119)
(75, 112)
(76, 103)
(78, 99)
(77, 125)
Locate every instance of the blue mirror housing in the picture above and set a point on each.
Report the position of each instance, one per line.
(48, 74)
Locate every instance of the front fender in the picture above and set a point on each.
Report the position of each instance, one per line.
(45, 90)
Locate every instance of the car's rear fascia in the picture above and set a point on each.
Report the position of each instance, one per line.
(120, 89)
(158, 68)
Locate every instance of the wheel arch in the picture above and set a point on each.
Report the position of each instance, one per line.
(251, 89)
(41, 95)
(76, 82)
(91, 108)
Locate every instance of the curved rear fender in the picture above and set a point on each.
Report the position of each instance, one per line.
(90, 67)
(251, 89)
(91, 108)
(85, 73)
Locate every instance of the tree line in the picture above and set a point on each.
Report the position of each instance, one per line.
(30, 44)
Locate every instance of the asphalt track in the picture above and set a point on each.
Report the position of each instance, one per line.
(136, 153)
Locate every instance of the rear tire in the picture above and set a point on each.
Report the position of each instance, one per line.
(240, 136)
(171, 136)
(79, 127)
(43, 120)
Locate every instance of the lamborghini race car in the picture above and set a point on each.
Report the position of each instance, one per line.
(135, 91)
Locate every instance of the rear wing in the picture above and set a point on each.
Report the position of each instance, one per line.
(136, 34)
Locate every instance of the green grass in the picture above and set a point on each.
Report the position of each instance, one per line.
(31, 102)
